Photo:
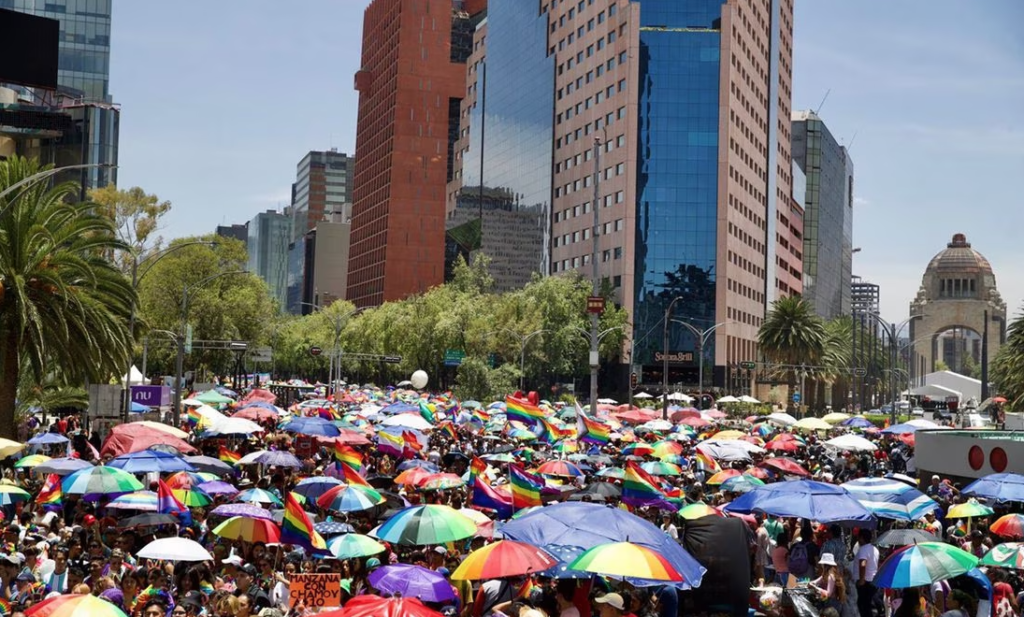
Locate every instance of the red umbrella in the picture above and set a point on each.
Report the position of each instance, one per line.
(128, 438)
(757, 472)
(256, 414)
(786, 465)
(636, 416)
(998, 399)
(677, 415)
(414, 476)
(376, 606)
(783, 445)
(259, 394)
(352, 438)
(695, 422)
(717, 414)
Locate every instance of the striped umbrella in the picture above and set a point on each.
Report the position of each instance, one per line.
(741, 484)
(638, 449)
(722, 476)
(563, 469)
(1009, 526)
(188, 479)
(99, 481)
(192, 498)
(353, 545)
(32, 460)
(612, 472)
(503, 559)
(1009, 555)
(698, 510)
(666, 448)
(350, 498)
(429, 524)
(923, 564)
(143, 501)
(892, 499)
(969, 509)
(249, 530)
(10, 494)
(315, 487)
(626, 559)
(661, 468)
(258, 495)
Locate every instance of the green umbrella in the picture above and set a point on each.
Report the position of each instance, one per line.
(741, 484)
(423, 525)
(100, 480)
(212, 397)
(923, 564)
(352, 545)
(1009, 555)
(698, 510)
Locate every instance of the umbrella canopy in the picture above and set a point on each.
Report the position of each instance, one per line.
(233, 426)
(741, 484)
(188, 479)
(923, 564)
(1009, 555)
(143, 501)
(904, 537)
(313, 488)
(969, 509)
(242, 509)
(62, 466)
(891, 499)
(209, 464)
(587, 525)
(160, 426)
(353, 545)
(350, 498)
(99, 480)
(612, 472)
(728, 450)
(376, 606)
(998, 486)
(697, 510)
(503, 559)
(626, 559)
(32, 460)
(147, 461)
(10, 494)
(248, 530)
(429, 524)
(560, 468)
(315, 427)
(134, 437)
(835, 417)
(149, 519)
(47, 439)
(786, 465)
(812, 424)
(212, 397)
(781, 418)
(333, 528)
(74, 605)
(257, 495)
(193, 498)
(1009, 526)
(816, 501)
(851, 443)
(411, 581)
(175, 549)
(413, 476)
(722, 476)
(257, 414)
(278, 458)
(408, 420)
(441, 482)
(857, 422)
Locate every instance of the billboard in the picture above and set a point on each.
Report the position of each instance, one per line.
(28, 49)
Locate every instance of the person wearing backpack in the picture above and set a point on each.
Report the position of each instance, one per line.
(799, 561)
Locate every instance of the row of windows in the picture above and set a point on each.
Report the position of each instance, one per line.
(584, 234)
(609, 65)
(595, 126)
(747, 212)
(738, 260)
(745, 317)
(957, 288)
(746, 185)
(578, 11)
(747, 239)
(745, 291)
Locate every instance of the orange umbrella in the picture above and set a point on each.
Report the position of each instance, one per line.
(414, 476)
(722, 476)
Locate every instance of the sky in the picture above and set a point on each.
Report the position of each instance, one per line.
(219, 104)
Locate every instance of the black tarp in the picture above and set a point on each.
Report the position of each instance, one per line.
(722, 545)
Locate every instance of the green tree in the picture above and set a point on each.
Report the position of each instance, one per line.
(1008, 366)
(136, 217)
(63, 305)
(792, 334)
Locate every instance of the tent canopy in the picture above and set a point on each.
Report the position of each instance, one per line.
(134, 377)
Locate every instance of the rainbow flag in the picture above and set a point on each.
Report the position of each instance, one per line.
(449, 429)
(346, 454)
(352, 476)
(524, 411)
(526, 589)
(960, 531)
(50, 494)
(486, 497)
(411, 443)
(549, 432)
(427, 412)
(390, 444)
(5, 607)
(526, 487)
(476, 467)
(591, 431)
(227, 456)
(481, 414)
(296, 528)
(639, 488)
(167, 503)
(193, 417)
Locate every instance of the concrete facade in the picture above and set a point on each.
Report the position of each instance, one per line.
(958, 291)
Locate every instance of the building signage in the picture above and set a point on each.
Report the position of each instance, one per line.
(151, 396)
(674, 356)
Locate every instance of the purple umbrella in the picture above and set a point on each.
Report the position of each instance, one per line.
(412, 581)
(218, 488)
(242, 509)
(278, 458)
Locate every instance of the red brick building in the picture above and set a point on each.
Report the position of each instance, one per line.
(411, 81)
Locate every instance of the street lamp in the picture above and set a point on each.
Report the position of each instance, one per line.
(664, 358)
(523, 340)
(180, 361)
(892, 331)
(702, 337)
(152, 258)
(335, 352)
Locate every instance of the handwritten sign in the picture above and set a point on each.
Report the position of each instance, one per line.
(315, 590)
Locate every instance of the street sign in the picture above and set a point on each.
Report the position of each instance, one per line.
(188, 338)
(796, 397)
(392, 359)
(151, 396)
(453, 357)
(634, 381)
(315, 350)
(748, 365)
(261, 354)
(595, 304)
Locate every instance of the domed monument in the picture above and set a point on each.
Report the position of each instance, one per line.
(958, 295)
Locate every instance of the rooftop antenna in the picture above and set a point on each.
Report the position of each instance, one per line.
(852, 139)
(822, 103)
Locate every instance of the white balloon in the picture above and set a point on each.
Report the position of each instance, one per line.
(419, 379)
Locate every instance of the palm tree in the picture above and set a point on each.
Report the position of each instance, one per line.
(63, 306)
(836, 356)
(792, 334)
(1008, 366)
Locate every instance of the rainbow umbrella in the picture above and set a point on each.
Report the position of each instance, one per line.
(412, 476)
(429, 524)
(350, 498)
(698, 510)
(661, 468)
(99, 481)
(75, 605)
(143, 501)
(729, 434)
(10, 494)
(258, 495)
(923, 564)
(1009, 555)
(1009, 526)
(626, 559)
(741, 484)
(563, 469)
(969, 509)
(249, 530)
(502, 559)
(32, 460)
(441, 482)
(665, 448)
(315, 487)
(722, 476)
(188, 479)
(193, 498)
(566, 446)
(638, 449)
(353, 545)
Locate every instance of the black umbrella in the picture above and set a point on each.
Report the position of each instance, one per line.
(604, 489)
(209, 465)
(591, 497)
(149, 519)
(381, 481)
(452, 457)
(904, 537)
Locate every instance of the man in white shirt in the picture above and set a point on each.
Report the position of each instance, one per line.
(669, 528)
(866, 561)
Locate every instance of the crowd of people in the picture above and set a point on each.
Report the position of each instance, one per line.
(79, 544)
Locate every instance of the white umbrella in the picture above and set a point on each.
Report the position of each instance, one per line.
(922, 423)
(642, 395)
(679, 396)
(749, 399)
(409, 420)
(250, 458)
(208, 416)
(192, 402)
(851, 443)
(728, 399)
(607, 401)
(175, 549)
(781, 418)
(657, 425)
(729, 450)
(234, 426)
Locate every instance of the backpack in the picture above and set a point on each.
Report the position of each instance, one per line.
(798, 560)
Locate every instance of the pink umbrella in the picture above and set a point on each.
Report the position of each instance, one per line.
(128, 438)
(636, 416)
(717, 414)
(695, 422)
(256, 414)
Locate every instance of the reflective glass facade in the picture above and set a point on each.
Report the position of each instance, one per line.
(511, 123)
(677, 177)
(84, 62)
(268, 252)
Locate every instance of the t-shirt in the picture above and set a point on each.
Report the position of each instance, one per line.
(869, 554)
(780, 559)
(1000, 591)
(570, 611)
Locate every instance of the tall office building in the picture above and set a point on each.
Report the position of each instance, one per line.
(689, 105)
(828, 215)
(411, 83)
(323, 187)
(269, 233)
(237, 231)
(84, 86)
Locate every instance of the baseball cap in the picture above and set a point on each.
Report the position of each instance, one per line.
(233, 560)
(936, 477)
(193, 598)
(613, 600)
(249, 569)
(372, 562)
(440, 550)
(26, 577)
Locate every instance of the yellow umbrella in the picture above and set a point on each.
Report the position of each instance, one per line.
(730, 434)
(812, 424)
(835, 417)
(31, 460)
(8, 447)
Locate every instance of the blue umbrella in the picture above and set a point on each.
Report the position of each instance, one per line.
(257, 495)
(412, 581)
(278, 458)
(856, 422)
(62, 466)
(416, 462)
(47, 439)
(815, 501)
(138, 408)
(399, 407)
(333, 528)
(587, 525)
(146, 461)
(900, 429)
(997, 486)
(209, 465)
(891, 499)
(312, 488)
(316, 427)
(565, 556)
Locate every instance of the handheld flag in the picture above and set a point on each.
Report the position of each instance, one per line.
(227, 456)
(427, 412)
(50, 494)
(412, 444)
(346, 454)
(390, 444)
(167, 503)
(296, 528)
(639, 488)
(522, 410)
(353, 477)
(526, 487)
(484, 496)
(476, 467)
(591, 431)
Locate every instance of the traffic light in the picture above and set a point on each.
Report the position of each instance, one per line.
(634, 381)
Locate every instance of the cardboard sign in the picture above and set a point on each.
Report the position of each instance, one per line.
(314, 590)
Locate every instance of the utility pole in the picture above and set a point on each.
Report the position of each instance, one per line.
(595, 309)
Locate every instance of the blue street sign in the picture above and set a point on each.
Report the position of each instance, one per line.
(796, 397)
